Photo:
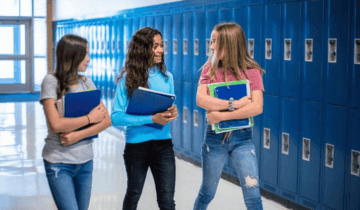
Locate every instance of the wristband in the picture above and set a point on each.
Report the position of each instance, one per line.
(88, 119)
(231, 104)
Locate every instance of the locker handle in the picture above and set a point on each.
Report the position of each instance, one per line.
(357, 51)
(355, 163)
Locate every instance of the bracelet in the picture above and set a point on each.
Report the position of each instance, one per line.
(88, 119)
(231, 104)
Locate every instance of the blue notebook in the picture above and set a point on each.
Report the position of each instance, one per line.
(81, 103)
(237, 92)
(145, 101)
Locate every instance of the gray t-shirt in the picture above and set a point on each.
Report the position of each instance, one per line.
(54, 151)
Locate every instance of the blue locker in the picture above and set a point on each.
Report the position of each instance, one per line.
(177, 46)
(312, 87)
(127, 33)
(119, 44)
(309, 170)
(112, 54)
(334, 162)
(150, 20)
(167, 39)
(272, 49)
(97, 60)
(142, 23)
(103, 60)
(291, 50)
(355, 44)
(159, 22)
(241, 18)
(135, 25)
(107, 67)
(199, 125)
(289, 141)
(212, 18)
(337, 67)
(354, 180)
(187, 117)
(176, 125)
(198, 42)
(187, 43)
(270, 148)
(226, 12)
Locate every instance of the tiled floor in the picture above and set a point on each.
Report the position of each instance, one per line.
(23, 183)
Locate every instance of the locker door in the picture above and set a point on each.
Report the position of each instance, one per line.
(142, 23)
(150, 20)
(167, 39)
(198, 61)
(159, 22)
(254, 19)
(107, 59)
(272, 48)
(225, 12)
(337, 45)
(187, 43)
(355, 54)
(289, 148)
(187, 117)
(334, 157)
(135, 25)
(270, 148)
(354, 183)
(211, 20)
(127, 33)
(112, 59)
(97, 65)
(291, 50)
(241, 18)
(312, 88)
(103, 61)
(310, 154)
(176, 125)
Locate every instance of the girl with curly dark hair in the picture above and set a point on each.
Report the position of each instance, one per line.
(146, 146)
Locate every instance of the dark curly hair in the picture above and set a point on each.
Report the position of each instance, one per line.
(139, 59)
(70, 52)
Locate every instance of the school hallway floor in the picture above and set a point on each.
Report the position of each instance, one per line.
(23, 183)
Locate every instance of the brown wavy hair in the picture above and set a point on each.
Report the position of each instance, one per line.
(232, 41)
(70, 52)
(139, 59)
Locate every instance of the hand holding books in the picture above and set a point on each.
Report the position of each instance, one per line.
(163, 118)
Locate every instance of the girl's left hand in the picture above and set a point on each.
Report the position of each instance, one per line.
(214, 117)
(70, 138)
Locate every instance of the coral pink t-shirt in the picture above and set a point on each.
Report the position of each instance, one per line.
(255, 78)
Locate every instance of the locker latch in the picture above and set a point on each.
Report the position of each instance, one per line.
(251, 46)
(308, 50)
(287, 49)
(285, 143)
(185, 114)
(113, 46)
(196, 46)
(329, 156)
(196, 118)
(185, 46)
(306, 149)
(175, 47)
(355, 161)
(165, 46)
(357, 52)
(266, 138)
(119, 46)
(268, 49)
(332, 51)
(208, 47)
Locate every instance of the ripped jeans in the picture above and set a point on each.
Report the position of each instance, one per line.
(70, 184)
(215, 152)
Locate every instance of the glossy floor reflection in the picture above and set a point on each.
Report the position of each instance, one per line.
(23, 183)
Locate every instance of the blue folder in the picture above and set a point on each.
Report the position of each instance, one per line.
(237, 92)
(81, 103)
(145, 101)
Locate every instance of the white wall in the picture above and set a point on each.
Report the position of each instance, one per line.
(68, 9)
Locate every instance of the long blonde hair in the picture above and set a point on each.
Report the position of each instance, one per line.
(232, 43)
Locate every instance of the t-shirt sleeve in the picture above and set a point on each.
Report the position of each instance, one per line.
(204, 79)
(48, 88)
(256, 82)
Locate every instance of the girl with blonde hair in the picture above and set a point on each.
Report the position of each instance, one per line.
(229, 61)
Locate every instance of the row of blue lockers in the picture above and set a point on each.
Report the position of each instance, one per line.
(307, 139)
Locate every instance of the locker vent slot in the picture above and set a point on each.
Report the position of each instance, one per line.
(251, 47)
(355, 161)
(267, 138)
(196, 118)
(185, 115)
(268, 49)
(309, 50)
(332, 51)
(285, 143)
(287, 49)
(185, 46)
(357, 52)
(306, 149)
(329, 156)
(196, 46)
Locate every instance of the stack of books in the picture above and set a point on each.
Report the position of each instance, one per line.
(226, 90)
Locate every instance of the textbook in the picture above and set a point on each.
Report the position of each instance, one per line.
(236, 90)
(79, 104)
(145, 101)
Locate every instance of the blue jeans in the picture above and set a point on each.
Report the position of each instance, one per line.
(215, 151)
(159, 156)
(70, 184)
